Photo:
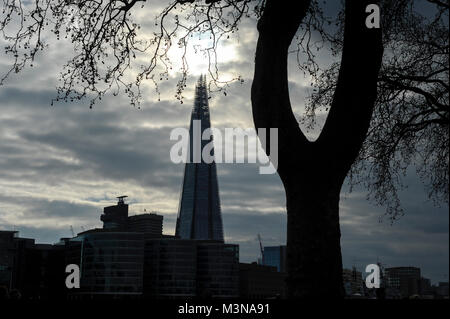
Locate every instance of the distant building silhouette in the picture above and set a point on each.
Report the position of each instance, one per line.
(425, 287)
(183, 268)
(259, 282)
(441, 290)
(353, 282)
(29, 270)
(131, 258)
(275, 256)
(111, 263)
(403, 280)
(199, 215)
(116, 218)
(119, 263)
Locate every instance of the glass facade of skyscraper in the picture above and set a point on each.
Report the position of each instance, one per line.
(199, 215)
(275, 256)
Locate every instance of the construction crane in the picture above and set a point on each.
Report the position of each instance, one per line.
(261, 249)
(71, 230)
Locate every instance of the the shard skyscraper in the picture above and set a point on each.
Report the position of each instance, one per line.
(199, 215)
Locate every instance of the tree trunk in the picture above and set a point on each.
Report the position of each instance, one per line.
(314, 258)
(313, 172)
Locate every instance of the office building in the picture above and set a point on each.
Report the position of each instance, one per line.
(134, 260)
(441, 290)
(404, 280)
(170, 268)
(353, 282)
(186, 268)
(7, 257)
(149, 223)
(29, 270)
(261, 282)
(275, 256)
(199, 215)
(217, 269)
(111, 263)
(116, 218)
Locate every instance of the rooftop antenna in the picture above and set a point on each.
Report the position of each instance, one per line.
(71, 230)
(121, 199)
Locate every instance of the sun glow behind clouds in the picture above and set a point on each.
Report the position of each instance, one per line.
(199, 56)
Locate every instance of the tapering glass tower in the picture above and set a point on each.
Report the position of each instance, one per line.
(199, 215)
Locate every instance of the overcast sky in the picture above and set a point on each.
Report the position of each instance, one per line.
(60, 165)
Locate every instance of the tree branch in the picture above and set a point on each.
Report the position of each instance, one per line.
(354, 98)
(270, 93)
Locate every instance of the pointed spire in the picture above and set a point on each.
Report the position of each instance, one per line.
(201, 81)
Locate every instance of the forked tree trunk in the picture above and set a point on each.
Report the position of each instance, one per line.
(313, 172)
